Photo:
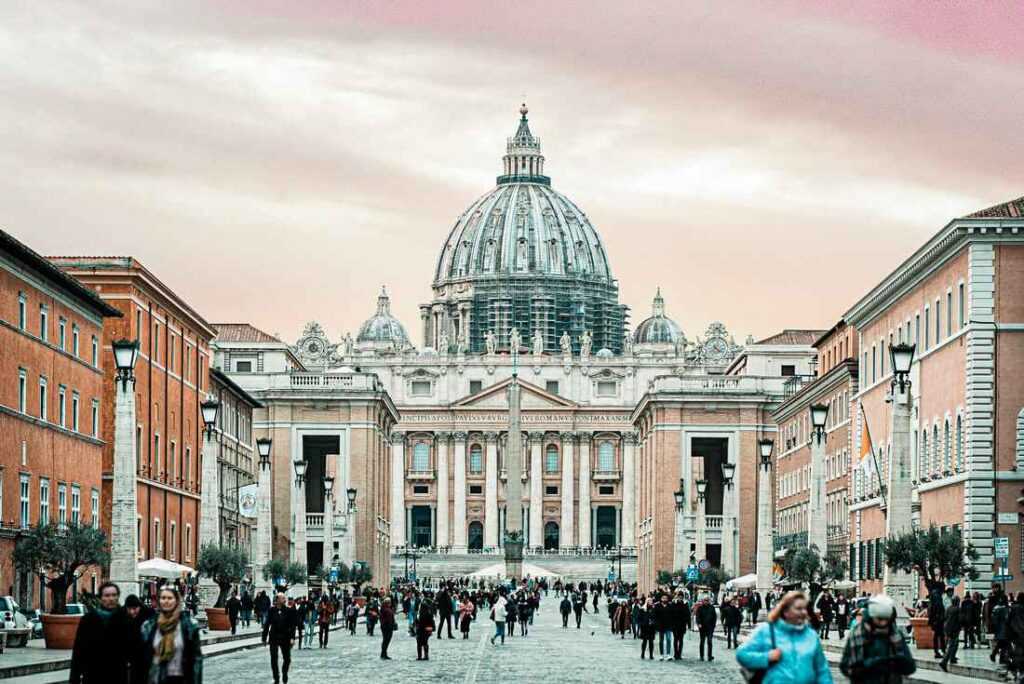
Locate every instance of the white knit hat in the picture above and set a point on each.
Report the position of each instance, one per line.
(881, 607)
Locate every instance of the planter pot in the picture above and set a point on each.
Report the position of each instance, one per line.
(59, 630)
(217, 620)
(924, 637)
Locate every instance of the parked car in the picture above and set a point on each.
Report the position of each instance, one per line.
(35, 621)
(13, 623)
(74, 609)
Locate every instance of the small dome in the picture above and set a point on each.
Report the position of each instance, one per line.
(605, 353)
(659, 328)
(382, 332)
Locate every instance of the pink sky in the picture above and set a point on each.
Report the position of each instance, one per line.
(277, 162)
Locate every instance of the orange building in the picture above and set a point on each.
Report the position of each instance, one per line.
(52, 406)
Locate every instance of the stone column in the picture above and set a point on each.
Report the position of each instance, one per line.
(425, 319)
(459, 531)
(901, 586)
(209, 514)
(264, 534)
(765, 545)
(702, 530)
(299, 554)
(124, 532)
(584, 506)
(728, 528)
(629, 489)
(491, 491)
(328, 560)
(442, 488)
(817, 531)
(536, 490)
(398, 532)
(568, 471)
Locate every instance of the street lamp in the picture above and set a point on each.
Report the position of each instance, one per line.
(126, 353)
(328, 486)
(728, 470)
(263, 447)
(702, 486)
(680, 494)
(819, 416)
(351, 500)
(764, 447)
(210, 408)
(300, 471)
(902, 356)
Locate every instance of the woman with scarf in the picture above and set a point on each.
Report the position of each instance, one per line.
(170, 644)
(876, 651)
(786, 647)
(466, 611)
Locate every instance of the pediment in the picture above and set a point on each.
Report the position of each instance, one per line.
(495, 396)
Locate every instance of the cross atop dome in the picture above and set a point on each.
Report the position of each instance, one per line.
(523, 162)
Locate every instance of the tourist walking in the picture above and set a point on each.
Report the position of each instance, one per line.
(325, 614)
(234, 607)
(754, 606)
(663, 623)
(876, 651)
(565, 608)
(645, 624)
(104, 642)
(707, 618)
(732, 620)
(511, 615)
(388, 625)
(577, 607)
(786, 648)
(466, 611)
(936, 620)
(311, 623)
(246, 616)
(424, 628)
(679, 616)
(498, 616)
(951, 626)
(282, 623)
(170, 647)
(842, 614)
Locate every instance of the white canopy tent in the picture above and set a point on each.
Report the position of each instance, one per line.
(498, 570)
(744, 582)
(163, 569)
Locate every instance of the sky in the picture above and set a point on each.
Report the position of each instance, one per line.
(765, 164)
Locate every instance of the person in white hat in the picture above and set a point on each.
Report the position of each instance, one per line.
(876, 651)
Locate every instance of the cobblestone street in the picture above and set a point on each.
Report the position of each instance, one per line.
(549, 654)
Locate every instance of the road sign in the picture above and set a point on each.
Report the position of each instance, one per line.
(1002, 578)
(704, 564)
(334, 575)
(1001, 546)
(953, 581)
(692, 574)
(611, 576)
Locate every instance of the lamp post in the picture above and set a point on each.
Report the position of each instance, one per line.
(350, 532)
(728, 526)
(299, 512)
(765, 546)
(617, 556)
(124, 532)
(263, 532)
(209, 519)
(702, 487)
(897, 495)
(329, 520)
(681, 546)
(817, 534)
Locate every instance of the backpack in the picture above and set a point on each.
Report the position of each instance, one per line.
(757, 676)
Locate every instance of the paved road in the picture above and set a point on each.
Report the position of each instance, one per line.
(547, 655)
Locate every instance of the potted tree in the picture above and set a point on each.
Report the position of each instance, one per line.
(56, 553)
(937, 557)
(284, 574)
(713, 578)
(225, 565)
(806, 567)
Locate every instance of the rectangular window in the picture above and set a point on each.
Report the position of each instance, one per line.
(44, 501)
(22, 390)
(917, 330)
(606, 490)
(607, 388)
(74, 411)
(938, 321)
(158, 543)
(961, 305)
(95, 418)
(76, 504)
(44, 319)
(188, 542)
(171, 464)
(95, 352)
(788, 370)
(551, 386)
(62, 503)
(62, 408)
(156, 457)
(476, 489)
(927, 328)
(42, 398)
(170, 351)
(420, 489)
(420, 388)
(26, 520)
(172, 529)
(62, 333)
(186, 354)
(949, 313)
(243, 366)
(874, 363)
(22, 309)
(74, 340)
(881, 361)
(551, 490)
(138, 323)
(156, 342)
(95, 505)
(186, 475)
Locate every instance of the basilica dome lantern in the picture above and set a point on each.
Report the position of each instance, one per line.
(659, 332)
(382, 333)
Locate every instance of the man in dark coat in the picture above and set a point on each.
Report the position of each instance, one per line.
(679, 617)
(444, 613)
(565, 607)
(578, 607)
(282, 623)
(104, 645)
(388, 625)
(952, 627)
(707, 618)
(753, 607)
(234, 606)
(936, 620)
(732, 620)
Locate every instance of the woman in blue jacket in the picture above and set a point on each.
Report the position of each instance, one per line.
(786, 646)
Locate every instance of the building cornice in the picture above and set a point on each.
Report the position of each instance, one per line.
(843, 372)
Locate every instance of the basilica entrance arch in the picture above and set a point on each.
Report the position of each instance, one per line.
(550, 536)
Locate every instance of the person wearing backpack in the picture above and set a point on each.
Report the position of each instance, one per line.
(785, 649)
(876, 651)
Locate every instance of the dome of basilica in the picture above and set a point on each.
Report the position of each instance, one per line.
(383, 331)
(659, 328)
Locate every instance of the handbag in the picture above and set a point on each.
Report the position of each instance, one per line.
(757, 676)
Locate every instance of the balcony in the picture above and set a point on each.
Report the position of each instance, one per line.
(785, 541)
(718, 384)
(607, 475)
(421, 475)
(503, 475)
(314, 520)
(795, 383)
(713, 522)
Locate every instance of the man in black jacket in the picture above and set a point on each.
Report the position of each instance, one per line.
(282, 622)
(706, 621)
(578, 607)
(951, 626)
(104, 644)
(679, 616)
(565, 607)
(444, 612)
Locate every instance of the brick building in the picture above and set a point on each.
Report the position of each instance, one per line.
(52, 406)
(171, 381)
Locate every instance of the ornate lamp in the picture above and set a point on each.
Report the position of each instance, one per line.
(902, 357)
(702, 486)
(328, 486)
(819, 416)
(210, 408)
(263, 448)
(728, 470)
(126, 353)
(300, 471)
(351, 499)
(764, 447)
(680, 494)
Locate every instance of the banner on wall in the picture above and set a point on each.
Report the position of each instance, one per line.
(247, 500)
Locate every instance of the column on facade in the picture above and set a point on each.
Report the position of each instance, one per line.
(459, 512)
(729, 511)
(584, 507)
(264, 534)
(491, 491)
(536, 490)
(817, 530)
(124, 538)
(398, 529)
(629, 501)
(566, 532)
(425, 319)
(765, 545)
(209, 514)
(443, 538)
(899, 585)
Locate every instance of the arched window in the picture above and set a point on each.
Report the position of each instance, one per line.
(550, 535)
(421, 458)
(551, 459)
(476, 459)
(922, 464)
(605, 457)
(476, 536)
(936, 450)
(959, 444)
(947, 454)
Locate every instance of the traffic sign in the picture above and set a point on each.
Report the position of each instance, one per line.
(704, 564)
(1001, 546)
(953, 581)
(611, 576)
(1002, 578)
(692, 574)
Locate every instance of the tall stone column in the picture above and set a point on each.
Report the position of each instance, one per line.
(459, 529)
(264, 534)
(124, 532)
(765, 545)
(491, 491)
(629, 502)
(398, 532)
(702, 529)
(584, 506)
(536, 490)
(209, 515)
(514, 484)
(443, 538)
(729, 510)
(568, 471)
(817, 531)
(900, 586)
(299, 553)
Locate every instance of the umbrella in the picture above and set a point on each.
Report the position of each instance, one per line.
(163, 569)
